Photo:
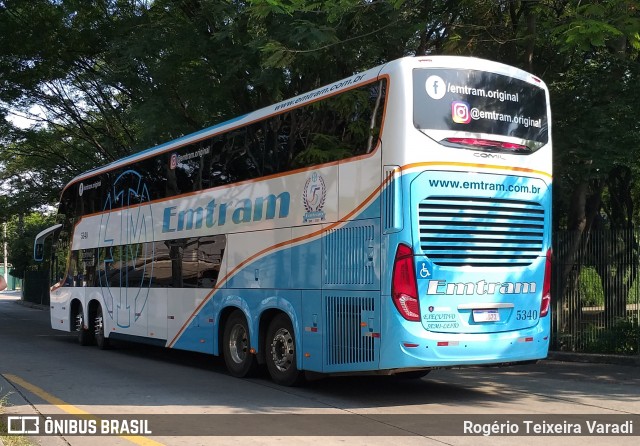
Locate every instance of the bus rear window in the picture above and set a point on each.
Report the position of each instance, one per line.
(479, 102)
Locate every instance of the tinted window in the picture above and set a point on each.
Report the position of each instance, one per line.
(210, 254)
(335, 128)
(479, 102)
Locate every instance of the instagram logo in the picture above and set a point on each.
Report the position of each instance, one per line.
(460, 112)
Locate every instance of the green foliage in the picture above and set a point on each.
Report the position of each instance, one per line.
(21, 232)
(591, 294)
(623, 338)
(597, 24)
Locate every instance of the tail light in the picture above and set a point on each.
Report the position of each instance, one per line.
(546, 287)
(404, 289)
(485, 144)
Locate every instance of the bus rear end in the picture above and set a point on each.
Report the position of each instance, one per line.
(467, 214)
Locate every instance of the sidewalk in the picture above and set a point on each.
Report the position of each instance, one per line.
(11, 294)
(16, 404)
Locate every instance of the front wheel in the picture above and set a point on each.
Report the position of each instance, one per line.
(101, 340)
(280, 352)
(237, 347)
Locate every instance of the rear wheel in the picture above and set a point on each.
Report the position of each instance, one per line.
(101, 340)
(236, 346)
(280, 352)
(85, 337)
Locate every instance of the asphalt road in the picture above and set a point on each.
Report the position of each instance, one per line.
(45, 372)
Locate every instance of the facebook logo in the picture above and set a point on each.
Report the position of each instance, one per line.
(436, 87)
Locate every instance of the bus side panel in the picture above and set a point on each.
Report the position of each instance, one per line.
(60, 307)
(306, 266)
(198, 331)
(157, 322)
(357, 181)
(351, 330)
(351, 296)
(271, 271)
(312, 331)
(351, 256)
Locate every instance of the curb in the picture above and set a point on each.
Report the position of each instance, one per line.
(25, 303)
(17, 404)
(594, 358)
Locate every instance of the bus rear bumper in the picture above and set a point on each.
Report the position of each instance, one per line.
(409, 345)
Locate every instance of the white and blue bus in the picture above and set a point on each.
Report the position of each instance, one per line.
(392, 222)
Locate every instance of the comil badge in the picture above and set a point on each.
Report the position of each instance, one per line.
(314, 198)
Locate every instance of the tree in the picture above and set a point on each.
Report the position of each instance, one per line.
(21, 231)
(594, 102)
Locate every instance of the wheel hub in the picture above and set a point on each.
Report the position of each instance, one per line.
(282, 349)
(79, 322)
(238, 344)
(98, 326)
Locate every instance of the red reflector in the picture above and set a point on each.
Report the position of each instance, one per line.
(442, 343)
(409, 345)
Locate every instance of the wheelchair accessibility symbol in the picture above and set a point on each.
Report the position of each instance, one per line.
(423, 270)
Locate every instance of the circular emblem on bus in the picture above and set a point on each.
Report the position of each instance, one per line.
(314, 197)
(81, 189)
(436, 87)
(126, 249)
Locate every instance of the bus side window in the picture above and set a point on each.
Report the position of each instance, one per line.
(210, 255)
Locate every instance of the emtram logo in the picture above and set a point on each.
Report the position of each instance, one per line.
(314, 198)
(126, 234)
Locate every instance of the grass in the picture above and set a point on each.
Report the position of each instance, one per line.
(10, 440)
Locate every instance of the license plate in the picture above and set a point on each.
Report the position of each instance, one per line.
(486, 316)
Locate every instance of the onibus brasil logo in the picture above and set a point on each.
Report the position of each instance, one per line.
(126, 248)
(314, 198)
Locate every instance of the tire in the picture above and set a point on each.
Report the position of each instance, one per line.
(280, 352)
(236, 346)
(101, 341)
(85, 337)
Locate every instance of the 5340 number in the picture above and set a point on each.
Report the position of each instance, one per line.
(526, 315)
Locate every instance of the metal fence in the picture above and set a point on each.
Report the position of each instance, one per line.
(597, 292)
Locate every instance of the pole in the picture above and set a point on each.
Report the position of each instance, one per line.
(6, 261)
